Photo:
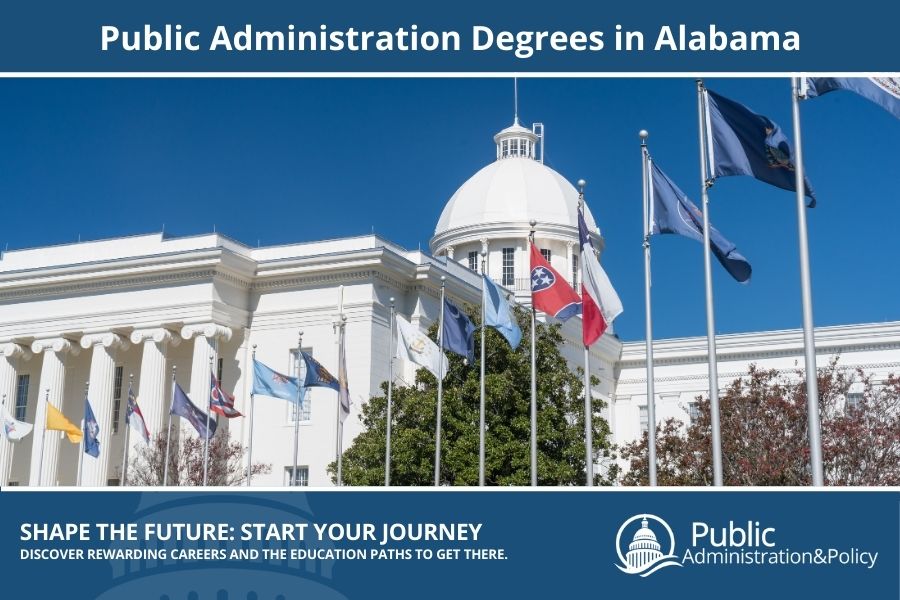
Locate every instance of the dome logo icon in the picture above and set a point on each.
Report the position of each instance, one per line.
(644, 555)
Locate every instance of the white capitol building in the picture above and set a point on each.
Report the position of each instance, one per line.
(101, 311)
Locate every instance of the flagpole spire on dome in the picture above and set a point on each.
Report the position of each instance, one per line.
(515, 100)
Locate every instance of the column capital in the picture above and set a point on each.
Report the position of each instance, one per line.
(107, 339)
(14, 350)
(207, 330)
(160, 335)
(60, 345)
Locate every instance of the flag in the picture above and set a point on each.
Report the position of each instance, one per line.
(549, 291)
(344, 391)
(459, 332)
(416, 347)
(883, 91)
(317, 375)
(56, 421)
(91, 431)
(183, 407)
(741, 142)
(672, 212)
(600, 302)
(220, 401)
(134, 418)
(13, 429)
(268, 382)
(498, 314)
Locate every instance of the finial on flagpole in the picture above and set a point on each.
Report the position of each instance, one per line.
(392, 301)
(533, 223)
(644, 134)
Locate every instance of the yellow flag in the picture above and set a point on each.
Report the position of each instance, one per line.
(58, 422)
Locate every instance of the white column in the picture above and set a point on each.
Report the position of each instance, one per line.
(569, 246)
(153, 379)
(100, 393)
(53, 378)
(10, 355)
(206, 337)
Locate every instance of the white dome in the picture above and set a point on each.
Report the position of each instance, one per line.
(513, 190)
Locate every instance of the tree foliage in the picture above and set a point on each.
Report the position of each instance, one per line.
(561, 456)
(764, 434)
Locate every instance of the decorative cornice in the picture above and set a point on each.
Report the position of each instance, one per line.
(159, 335)
(107, 339)
(104, 284)
(12, 350)
(59, 345)
(732, 375)
(207, 330)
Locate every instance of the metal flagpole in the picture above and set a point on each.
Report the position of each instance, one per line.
(482, 433)
(534, 477)
(300, 391)
(127, 432)
(338, 425)
(651, 394)
(588, 404)
(169, 432)
(206, 434)
(440, 389)
(809, 341)
(12, 453)
(705, 184)
(82, 445)
(252, 411)
(387, 444)
(43, 439)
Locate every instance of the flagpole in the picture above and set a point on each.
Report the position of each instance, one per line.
(440, 389)
(127, 431)
(82, 446)
(387, 444)
(588, 405)
(705, 184)
(206, 433)
(651, 393)
(169, 432)
(43, 439)
(809, 341)
(252, 412)
(298, 409)
(482, 433)
(12, 453)
(338, 430)
(534, 478)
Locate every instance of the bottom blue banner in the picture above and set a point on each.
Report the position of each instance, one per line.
(248, 545)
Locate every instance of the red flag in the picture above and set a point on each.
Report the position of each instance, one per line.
(550, 293)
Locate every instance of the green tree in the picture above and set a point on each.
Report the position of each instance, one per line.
(507, 417)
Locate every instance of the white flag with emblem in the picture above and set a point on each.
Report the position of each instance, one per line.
(13, 429)
(414, 346)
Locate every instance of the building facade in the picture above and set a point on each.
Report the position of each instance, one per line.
(98, 317)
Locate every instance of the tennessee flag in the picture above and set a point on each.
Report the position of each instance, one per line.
(57, 421)
(550, 293)
(601, 303)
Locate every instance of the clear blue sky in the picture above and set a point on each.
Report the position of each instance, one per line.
(281, 160)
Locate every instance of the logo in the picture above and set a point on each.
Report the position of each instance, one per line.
(541, 279)
(644, 555)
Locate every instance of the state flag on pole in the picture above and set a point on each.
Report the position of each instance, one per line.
(741, 142)
(220, 401)
(183, 407)
(56, 421)
(550, 293)
(269, 382)
(317, 375)
(91, 431)
(344, 390)
(416, 347)
(883, 91)
(497, 313)
(672, 212)
(459, 332)
(600, 302)
(13, 429)
(134, 418)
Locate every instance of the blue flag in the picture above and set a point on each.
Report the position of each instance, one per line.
(672, 212)
(183, 407)
(91, 431)
(745, 143)
(459, 332)
(497, 313)
(318, 376)
(268, 382)
(883, 91)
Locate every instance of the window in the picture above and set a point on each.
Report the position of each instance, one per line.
(304, 400)
(645, 420)
(505, 146)
(509, 267)
(114, 482)
(13, 484)
(219, 370)
(302, 479)
(473, 260)
(854, 399)
(22, 396)
(575, 271)
(546, 254)
(117, 398)
(693, 412)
